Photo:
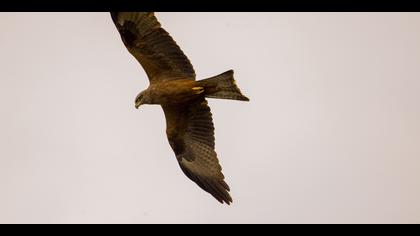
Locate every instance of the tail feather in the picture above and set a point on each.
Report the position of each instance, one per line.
(222, 86)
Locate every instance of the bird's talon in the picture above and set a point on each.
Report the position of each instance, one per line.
(198, 90)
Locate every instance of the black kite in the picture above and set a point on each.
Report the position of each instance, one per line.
(189, 124)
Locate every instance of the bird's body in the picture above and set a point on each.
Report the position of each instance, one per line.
(174, 91)
(189, 124)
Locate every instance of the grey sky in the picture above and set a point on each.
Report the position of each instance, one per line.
(332, 132)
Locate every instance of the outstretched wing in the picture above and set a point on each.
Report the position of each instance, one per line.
(152, 46)
(190, 133)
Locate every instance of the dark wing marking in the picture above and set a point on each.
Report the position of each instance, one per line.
(152, 46)
(190, 133)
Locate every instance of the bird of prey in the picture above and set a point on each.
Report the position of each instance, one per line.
(173, 86)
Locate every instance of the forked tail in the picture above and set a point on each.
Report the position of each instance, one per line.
(222, 86)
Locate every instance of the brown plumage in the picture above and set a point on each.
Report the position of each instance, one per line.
(189, 124)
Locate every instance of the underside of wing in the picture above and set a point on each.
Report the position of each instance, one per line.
(152, 46)
(190, 133)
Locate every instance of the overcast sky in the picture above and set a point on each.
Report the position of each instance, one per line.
(331, 134)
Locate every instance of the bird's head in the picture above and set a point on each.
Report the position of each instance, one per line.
(141, 99)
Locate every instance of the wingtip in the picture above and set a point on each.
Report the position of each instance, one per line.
(228, 202)
(222, 193)
(219, 189)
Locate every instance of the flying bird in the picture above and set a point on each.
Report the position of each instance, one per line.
(173, 86)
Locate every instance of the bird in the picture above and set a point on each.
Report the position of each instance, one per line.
(173, 86)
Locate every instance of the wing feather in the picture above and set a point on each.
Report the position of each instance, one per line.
(190, 132)
(152, 46)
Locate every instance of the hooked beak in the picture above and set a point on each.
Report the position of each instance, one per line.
(138, 104)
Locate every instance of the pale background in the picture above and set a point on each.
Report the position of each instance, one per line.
(331, 135)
